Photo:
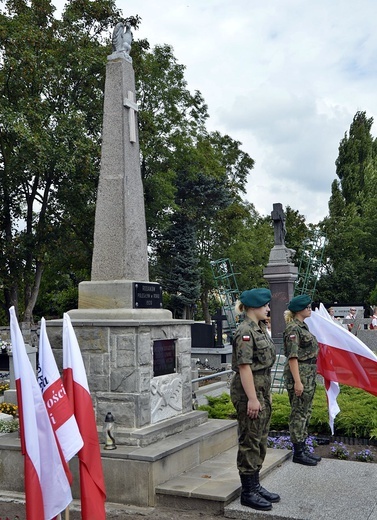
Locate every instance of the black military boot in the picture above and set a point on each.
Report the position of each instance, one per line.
(271, 497)
(300, 456)
(250, 496)
(310, 454)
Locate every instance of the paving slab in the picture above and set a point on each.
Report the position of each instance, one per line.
(332, 490)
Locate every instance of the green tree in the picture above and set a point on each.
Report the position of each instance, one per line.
(297, 233)
(51, 96)
(181, 274)
(190, 176)
(170, 120)
(351, 262)
(356, 151)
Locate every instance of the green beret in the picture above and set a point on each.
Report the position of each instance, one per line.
(298, 303)
(255, 297)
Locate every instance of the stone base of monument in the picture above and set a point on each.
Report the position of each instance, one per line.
(120, 300)
(139, 370)
(132, 473)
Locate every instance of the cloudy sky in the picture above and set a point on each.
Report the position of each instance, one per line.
(283, 77)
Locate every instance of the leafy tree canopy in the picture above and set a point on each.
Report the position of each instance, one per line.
(51, 96)
(351, 261)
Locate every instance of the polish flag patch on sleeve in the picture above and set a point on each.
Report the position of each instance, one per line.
(292, 336)
(245, 338)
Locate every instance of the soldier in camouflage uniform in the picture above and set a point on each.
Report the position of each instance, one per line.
(300, 372)
(252, 359)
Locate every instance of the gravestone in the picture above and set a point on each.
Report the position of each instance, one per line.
(281, 275)
(137, 358)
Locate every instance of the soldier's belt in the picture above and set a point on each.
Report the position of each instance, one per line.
(312, 361)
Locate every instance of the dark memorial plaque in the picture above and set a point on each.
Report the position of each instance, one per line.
(147, 295)
(163, 357)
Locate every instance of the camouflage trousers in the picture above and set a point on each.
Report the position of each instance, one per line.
(301, 406)
(252, 433)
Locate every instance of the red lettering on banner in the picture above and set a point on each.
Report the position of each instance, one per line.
(58, 406)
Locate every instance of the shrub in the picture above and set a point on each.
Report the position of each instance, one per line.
(219, 407)
(358, 415)
(357, 418)
(320, 417)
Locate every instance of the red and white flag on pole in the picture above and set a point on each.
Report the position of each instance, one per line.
(92, 484)
(47, 490)
(58, 405)
(332, 387)
(343, 358)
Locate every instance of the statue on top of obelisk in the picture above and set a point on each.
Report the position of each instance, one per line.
(122, 41)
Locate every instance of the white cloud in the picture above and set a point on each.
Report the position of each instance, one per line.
(284, 78)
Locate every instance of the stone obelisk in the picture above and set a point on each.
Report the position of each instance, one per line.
(120, 238)
(119, 286)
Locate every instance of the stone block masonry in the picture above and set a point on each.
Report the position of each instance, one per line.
(118, 358)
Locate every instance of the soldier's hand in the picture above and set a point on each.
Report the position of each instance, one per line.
(299, 388)
(253, 407)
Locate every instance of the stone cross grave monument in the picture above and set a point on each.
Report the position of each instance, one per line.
(280, 273)
(138, 359)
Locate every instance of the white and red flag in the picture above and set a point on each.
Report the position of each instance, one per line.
(47, 490)
(343, 357)
(332, 387)
(92, 484)
(58, 405)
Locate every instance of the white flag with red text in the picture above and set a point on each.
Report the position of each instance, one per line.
(47, 490)
(92, 484)
(55, 397)
(343, 358)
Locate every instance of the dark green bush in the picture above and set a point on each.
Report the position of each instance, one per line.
(219, 407)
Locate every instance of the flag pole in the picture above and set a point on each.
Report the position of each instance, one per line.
(66, 516)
